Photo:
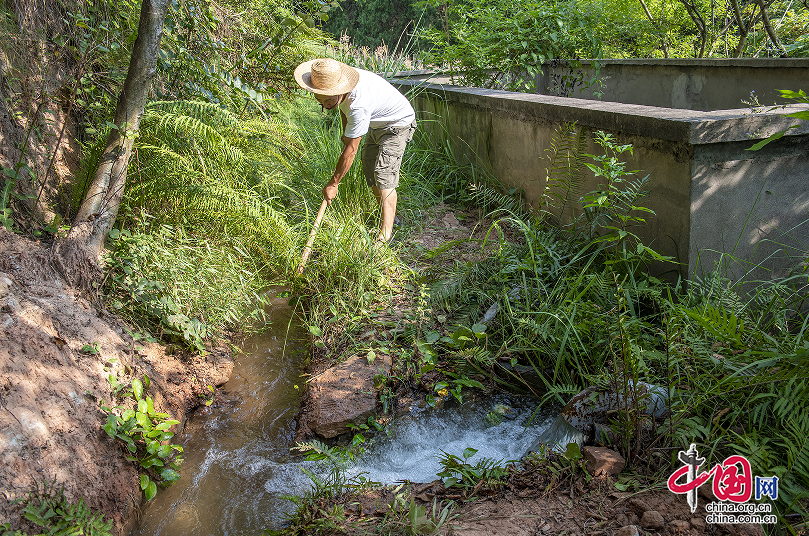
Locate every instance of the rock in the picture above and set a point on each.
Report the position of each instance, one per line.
(344, 394)
(706, 492)
(628, 530)
(652, 520)
(639, 506)
(603, 461)
(451, 222)
(680, 525)
(697, 523)
(5, 285)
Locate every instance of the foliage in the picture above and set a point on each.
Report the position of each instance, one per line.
(376, 23)
(315, 512)
(486, 473)
(144, 432)
(236, 53)
(564, 178)
(171, 285)
(799, 97)
(414, 518)
(382, 60)
(577, 305)
(49, 509)
(503, 44)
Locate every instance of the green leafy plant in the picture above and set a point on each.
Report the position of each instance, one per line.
(457, 471)
(797, 96)
(501, 44)
(145, 434)
(48, 508)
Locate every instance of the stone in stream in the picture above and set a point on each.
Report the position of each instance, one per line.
(343, 395)
(603, 461)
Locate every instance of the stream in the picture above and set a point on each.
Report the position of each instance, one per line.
(238, 464)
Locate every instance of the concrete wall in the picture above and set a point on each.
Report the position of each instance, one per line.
(689, 84)
(709, 194)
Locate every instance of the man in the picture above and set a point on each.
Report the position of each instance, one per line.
(368, 105)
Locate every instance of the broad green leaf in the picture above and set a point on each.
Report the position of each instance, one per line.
(169, 475)
(137, 388)
(150, 491)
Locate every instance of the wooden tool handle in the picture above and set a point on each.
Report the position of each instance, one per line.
(308, 249)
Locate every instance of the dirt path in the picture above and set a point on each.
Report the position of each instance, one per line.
(57, 350)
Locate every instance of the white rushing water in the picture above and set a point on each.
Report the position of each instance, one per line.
(417, 441)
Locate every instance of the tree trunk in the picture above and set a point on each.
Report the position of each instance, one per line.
(663, 46)
(78, 254)
(770, 30)
(743, 28)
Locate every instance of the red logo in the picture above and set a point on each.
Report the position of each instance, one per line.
(732, 479)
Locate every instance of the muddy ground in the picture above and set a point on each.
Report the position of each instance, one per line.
(58, 348)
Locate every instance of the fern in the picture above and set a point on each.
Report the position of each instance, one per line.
(485, 197)
(565, 171)
(719, 322)
(193, 167)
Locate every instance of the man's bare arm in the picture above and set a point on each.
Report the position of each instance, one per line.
(350, 148)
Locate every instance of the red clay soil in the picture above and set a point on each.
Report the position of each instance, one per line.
(51, 389)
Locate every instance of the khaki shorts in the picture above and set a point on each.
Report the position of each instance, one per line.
(382, 154)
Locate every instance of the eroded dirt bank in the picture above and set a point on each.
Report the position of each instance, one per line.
(51, 387)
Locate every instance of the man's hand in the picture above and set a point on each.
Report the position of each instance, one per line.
(329, 192)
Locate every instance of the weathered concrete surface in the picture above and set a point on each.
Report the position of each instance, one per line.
(343, 395)
(688, 84)
(691, 84)
(703, 182)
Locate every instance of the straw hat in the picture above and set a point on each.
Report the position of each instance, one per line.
(326, 76)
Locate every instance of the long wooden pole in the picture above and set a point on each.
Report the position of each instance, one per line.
(308, 249)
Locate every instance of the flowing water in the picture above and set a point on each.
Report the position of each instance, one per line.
(237, 457)
(232, 451)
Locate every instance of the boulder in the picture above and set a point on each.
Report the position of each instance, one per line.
(603, 461)
(344, 394)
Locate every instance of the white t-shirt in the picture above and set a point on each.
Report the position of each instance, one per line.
(374, 103)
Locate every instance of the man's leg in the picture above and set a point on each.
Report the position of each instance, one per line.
(387, 203)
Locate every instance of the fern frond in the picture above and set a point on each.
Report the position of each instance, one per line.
(565, 171)
(485, 196)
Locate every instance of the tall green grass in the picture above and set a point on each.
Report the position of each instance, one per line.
(234, 198)
(578, 307)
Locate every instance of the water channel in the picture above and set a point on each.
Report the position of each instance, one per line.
(238, 464)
